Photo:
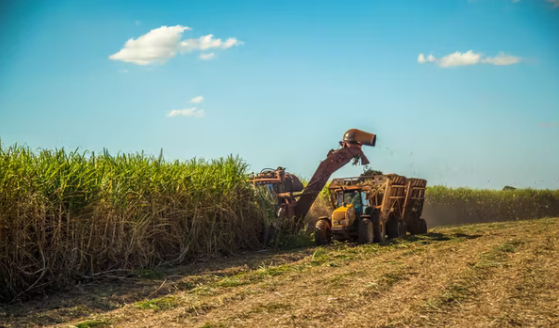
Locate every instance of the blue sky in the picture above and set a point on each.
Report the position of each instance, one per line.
(462, 93)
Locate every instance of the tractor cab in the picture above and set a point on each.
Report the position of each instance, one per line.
(356, 197)
(349, 204)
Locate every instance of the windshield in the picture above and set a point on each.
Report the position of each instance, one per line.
(349, 197)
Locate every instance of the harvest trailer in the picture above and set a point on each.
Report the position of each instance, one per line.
(371, 208)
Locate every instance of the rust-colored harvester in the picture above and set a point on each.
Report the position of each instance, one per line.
(293, 199)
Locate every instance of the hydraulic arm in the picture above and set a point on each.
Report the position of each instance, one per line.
(336, 159)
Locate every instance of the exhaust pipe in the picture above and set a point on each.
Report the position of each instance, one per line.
(355, 136)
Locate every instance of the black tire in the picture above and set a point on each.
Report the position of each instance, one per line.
(379, 230)
(365, 231)
(413, 227)
(322, 234)
(393, 228)
(403, 228)
(422, 226)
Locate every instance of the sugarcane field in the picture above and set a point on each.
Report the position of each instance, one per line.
(289, 164)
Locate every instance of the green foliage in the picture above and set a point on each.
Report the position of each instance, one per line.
(323, 195)
(67, 216)
(494, 205)
(368, 171)
(158, 304)
(93, 323)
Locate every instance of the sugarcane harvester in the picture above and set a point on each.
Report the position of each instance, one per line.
(292, 200)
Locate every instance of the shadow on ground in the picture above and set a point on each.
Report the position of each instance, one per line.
(113, 291)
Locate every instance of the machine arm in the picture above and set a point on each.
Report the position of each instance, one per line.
(351, 148)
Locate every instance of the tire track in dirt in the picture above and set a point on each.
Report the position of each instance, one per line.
(509, 286)
(418, 284)
(370, 293)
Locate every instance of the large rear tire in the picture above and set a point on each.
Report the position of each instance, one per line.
(378, 229)
(413, 227)
(393, 228)
(403, 228)
(422, 226)
(322, 233)
(365, 231)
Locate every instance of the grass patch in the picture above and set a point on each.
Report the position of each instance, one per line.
(413, 251)
(93, 323)
(203, 290)
(212, 325)
(158, 304)
(185, 285)
(320, 256)
(231, 281)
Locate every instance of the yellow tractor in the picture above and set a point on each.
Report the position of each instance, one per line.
(370, 208)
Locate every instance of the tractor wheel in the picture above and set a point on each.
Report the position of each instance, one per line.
(403, 230)
(322, 233)
(379, 229)
(413, 227)
(422, 226)
(365, 231)
(393, 228)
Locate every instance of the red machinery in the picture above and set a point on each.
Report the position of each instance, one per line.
(293, 199)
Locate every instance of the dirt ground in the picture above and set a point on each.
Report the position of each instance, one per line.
(483, 275)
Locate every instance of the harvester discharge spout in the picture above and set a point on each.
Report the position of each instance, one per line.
(355, 136)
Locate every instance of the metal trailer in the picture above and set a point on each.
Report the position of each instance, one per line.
(369, 208)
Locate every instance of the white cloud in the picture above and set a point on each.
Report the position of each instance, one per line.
(188, 112)
(421, 59)
(468, 58)
(164, 43)
(207, 56)
(206, 42)
(459, 59)
(197, 100)
(501, 59)
(158, 45)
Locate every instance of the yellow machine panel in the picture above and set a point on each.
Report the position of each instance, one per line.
(343, 216)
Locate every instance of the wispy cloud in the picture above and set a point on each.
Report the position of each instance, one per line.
(554, 2)
(188, 112)
(207, 56)
(137, 23)
(207, 42)
(161, 44)
(550, 124)
(468, 58)
(197, 100)
(123, 71)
